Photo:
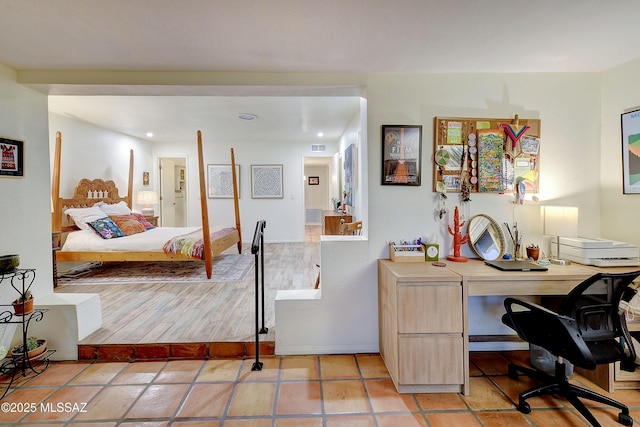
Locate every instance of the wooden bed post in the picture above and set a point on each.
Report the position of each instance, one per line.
(235, 199)
(206, 232)
(56, 217)
(130, 184)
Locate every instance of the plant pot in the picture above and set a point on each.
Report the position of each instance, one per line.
(22, 309)
(533, 253)
(41, 348)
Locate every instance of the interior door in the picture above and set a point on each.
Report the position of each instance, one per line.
(167, 193)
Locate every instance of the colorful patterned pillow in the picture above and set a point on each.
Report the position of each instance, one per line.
(146, 224)
(106, 228)
(129, 224)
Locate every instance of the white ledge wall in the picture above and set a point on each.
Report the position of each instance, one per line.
(340, 317)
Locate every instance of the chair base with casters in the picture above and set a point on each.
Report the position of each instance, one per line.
(559, 385)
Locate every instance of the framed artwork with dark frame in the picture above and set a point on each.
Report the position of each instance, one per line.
(220, 181)
(401, 154)
(630, 126)
(12, 152)
(314, 180)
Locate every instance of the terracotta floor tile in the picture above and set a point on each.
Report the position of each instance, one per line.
(252, 399)
(179, 371)
(350, 421)
(404, 420)
(220, 370)
(139, 373)
(270, 369)
(513, 388)
(557, 418)
(196, 424)
(64, 404)
(344, 397)
(299, 397)
(503, 419)
(146, 424)
(206, 400)
(99, 373)
(440, 401)
(112, 402)
(484, 395)
(300, 368)
(457, 419)
(79, 424)
(158, 401)
(372, 366)
(490, 363)
(24, 395)
(385, 398)
(255, 422)
(338, 367)
(58, 374)
(298, 422)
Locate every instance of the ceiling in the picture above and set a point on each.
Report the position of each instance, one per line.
(276, 36)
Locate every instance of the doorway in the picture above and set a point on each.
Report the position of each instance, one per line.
(173, 191)
(317, 194)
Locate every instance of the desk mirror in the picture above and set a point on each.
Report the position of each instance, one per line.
(485, 237)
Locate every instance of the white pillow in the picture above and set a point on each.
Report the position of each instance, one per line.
(119, 208)
(83, 216)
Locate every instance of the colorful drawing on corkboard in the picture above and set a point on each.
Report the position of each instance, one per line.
(490, 155)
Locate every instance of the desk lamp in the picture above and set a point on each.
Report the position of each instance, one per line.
(560, 221)
(147, 198)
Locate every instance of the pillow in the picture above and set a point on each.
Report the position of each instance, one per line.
(106, 228)
(146, 224)
(129, 224)
(82, 216)
(119, 208)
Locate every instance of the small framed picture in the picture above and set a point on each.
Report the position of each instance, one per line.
(12, 158)
(145, 178)
(401, 154)
(314, 180)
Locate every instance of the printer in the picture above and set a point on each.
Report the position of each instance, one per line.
(598, 252)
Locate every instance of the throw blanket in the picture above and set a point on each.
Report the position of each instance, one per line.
(192, 244)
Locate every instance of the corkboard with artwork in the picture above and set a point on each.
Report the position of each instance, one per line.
(483, 155)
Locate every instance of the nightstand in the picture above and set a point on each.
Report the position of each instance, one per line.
(153, 220)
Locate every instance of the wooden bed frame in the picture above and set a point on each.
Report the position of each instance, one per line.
(60, 224)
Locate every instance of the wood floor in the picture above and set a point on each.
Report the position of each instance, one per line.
(202, 312)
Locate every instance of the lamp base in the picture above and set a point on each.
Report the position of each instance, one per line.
(147, 211)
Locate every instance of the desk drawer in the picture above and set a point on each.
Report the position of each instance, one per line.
(432, 308)
(431, 360)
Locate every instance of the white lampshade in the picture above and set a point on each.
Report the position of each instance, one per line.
(561, 221)
(147, 198)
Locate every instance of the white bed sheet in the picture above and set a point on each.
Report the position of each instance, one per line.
(150, 240)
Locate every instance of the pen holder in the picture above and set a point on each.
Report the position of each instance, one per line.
(407, 253)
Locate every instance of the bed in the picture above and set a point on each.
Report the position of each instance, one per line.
(85, 241)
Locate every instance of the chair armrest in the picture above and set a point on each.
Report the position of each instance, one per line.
(556, 333)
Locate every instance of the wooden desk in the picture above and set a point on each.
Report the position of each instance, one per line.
(476, 279)
(331, 221)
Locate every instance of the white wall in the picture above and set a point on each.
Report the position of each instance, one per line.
(92, 152)
(620, 93)
(25, 213)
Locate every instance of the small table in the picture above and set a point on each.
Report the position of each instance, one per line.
(152, 219)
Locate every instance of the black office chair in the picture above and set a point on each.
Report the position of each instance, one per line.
(589, 329)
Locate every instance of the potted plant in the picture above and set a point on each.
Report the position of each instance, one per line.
(24, 304)
(34, 347)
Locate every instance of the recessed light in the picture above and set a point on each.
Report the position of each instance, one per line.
(149, 134)
(247, 116)
(320, 134)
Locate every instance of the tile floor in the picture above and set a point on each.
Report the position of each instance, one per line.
(300, 391)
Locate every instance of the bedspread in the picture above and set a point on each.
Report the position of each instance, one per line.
(192, 244)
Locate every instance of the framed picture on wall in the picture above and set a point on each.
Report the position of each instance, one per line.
(266, 182)
(220, 181)
(12, 151)
(401, 154)
(314, 180)
(630, 124)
